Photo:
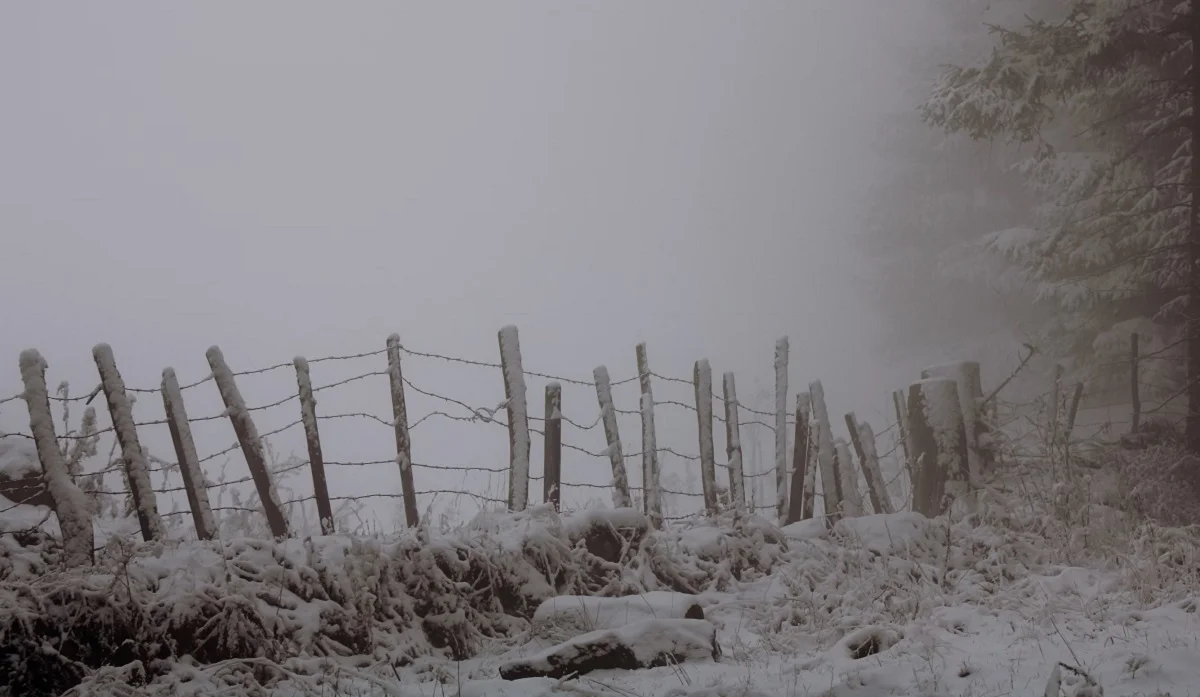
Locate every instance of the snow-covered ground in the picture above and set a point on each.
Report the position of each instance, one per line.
(879, 605)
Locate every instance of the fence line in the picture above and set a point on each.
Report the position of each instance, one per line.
(92, 481)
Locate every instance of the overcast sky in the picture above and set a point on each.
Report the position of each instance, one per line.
(306, 178)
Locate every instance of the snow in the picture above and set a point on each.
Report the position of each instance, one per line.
(18, 458)
(518, 418)
(120, 409)
(608, 415)
(781, 454)
(581, 614)
(70, 502)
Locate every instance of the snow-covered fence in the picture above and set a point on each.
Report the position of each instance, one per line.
(675, 484)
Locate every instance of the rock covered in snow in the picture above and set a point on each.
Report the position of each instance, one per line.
(644, 644)
(21, 474)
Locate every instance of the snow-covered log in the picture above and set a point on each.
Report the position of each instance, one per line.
(185, 451)
(733, 441)
(831, 485)
(248, 438)
(652, 492)
(70, 503)
(781, 408)
(518, 418)
(702, 381)
(801, 495)
(137, 468)
(312, 438)
(612, 436)
(862, 437)
(644, 644)
(400, 426)
(552, 453)
(939, 441)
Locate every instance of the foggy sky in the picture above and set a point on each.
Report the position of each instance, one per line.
(306, 178)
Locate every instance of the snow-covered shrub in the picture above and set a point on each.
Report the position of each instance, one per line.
(1159, 482)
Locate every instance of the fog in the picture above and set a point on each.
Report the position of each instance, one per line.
(305, 179)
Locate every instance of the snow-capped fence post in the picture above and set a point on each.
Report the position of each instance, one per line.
(852, 505)
(400, 426)
(612, 437)
(70, 503)
(733, 443)
(862, 437)
(831, 484)
(185, 451)
(137, 469)
(800, 498)
(702, 382)
(552, 461)
(970, 393)
(518, 418)
(781, 464)
(1135, 423)
(312, 438)
(651, 493)
(939, 440)
(252, 447)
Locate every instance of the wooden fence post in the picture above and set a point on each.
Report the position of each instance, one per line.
(252, 447)
(733, 447)
(899, 402)
(651, 490)
(702, 381)
(518, 418)
(608, 415)
(552, 455)
(939, 442)
(70, 503)
(400, 425)
(967, 375)
(1055, 398)
(781, 455)
(800, 498)
(185, 451)
(1074, 411)
(120, 410)
(848, 477)
(862, 437)
(312, 437)
(831, 484)
(1134, 387)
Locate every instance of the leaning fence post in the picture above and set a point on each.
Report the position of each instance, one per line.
(702, 382)
(800, 499)
(518, 419)
(862, 437)
(831, 483)
(1134, 388)
(400, 425)
(312, 437)
(1074, 412)
(247, 435)
(652, 494)
(120, 409)
(185, 452)
(939, 440)
(612, 437)
(70, 503)
(781, 464)
(733, 440)
(552, 457)
(898, 401)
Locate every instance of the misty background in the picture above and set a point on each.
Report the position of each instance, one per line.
(305, 179)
